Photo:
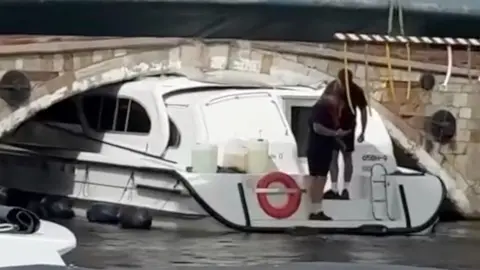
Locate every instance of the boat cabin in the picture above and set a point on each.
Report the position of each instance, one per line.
(163, 118)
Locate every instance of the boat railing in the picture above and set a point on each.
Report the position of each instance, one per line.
(384, 182)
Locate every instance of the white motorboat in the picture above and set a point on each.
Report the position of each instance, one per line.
(27, 240)
(212, 157)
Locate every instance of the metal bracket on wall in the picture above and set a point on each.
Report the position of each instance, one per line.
(15, 87)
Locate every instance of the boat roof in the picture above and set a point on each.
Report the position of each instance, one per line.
(201, 95)
(184, 91)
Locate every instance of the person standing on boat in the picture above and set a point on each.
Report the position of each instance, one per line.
(324, 129)
(348, 121)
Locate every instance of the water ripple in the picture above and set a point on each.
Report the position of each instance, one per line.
(105, 247)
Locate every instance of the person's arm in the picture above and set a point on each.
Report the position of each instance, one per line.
(363, 118)
(323, 130)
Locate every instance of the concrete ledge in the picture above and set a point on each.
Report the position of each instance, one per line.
(305, 49)
(88, 45)
(320, 51)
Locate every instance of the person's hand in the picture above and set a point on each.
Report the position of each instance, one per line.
(361, 138)
(342, 132)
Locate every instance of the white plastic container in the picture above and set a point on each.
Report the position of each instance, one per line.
(204, 158)
(235, 155)
(257, 157)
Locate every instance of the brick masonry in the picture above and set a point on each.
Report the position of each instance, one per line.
(72, 69)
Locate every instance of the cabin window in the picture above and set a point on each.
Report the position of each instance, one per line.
(62, 112)
(110, 113)
(299, 125)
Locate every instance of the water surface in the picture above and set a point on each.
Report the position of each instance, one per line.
(454, 246)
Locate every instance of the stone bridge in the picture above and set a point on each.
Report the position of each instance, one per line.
(63, 67)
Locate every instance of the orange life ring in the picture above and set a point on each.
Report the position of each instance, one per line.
(293, 201)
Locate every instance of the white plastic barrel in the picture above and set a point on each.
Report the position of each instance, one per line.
(235, 155)
(204, 158)
(257, 156)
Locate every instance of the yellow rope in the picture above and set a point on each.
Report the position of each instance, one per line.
(367, 80)
(449, 67)
(390, 75)
(347, 79)
(469, 64)
(409, 70)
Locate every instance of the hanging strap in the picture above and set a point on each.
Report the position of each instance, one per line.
(346, 77)
(407, 46)
(387, 51)
(367, 80)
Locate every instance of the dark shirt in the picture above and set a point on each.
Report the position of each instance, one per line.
(323, 112)
(348, 119)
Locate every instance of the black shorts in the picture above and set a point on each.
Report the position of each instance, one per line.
(349, 141)
(319, 161)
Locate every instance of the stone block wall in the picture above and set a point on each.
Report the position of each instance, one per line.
(419, 53)
(43, 67)
(461, 97)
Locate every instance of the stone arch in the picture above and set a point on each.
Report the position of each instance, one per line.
(196, 61)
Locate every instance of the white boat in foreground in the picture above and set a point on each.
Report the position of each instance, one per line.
(30, 241)
(134, 144)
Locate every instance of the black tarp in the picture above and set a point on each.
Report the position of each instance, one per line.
(295, 20)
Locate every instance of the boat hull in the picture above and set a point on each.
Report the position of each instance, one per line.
(166, 220)
(45, 246)
(399, 203)
(207, 224)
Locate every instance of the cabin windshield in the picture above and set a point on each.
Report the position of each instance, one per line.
(182, 133)
(246, 115)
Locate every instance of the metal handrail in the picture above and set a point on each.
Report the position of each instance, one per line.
(385, 184)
